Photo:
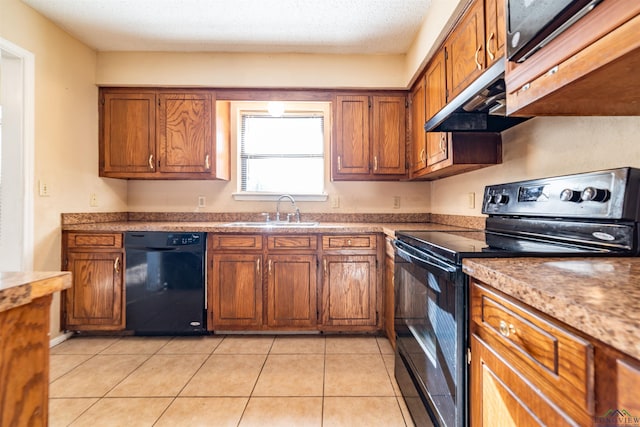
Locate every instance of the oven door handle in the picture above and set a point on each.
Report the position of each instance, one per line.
(425, 261)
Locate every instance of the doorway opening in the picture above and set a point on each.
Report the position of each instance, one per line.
(16, 157)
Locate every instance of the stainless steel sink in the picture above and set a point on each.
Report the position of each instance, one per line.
(270, 224)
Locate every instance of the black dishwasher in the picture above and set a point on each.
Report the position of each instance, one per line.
(165, 283)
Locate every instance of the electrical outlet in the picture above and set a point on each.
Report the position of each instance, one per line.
(202, 201)
(471, 200)
(93, 200)
(43, 189)
(396, 202)
(335, 202)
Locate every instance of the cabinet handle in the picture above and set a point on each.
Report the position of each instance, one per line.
(423, 156)
(349, 242)
(116, 265)
(489, 42)
(478, 64)
(207, 165)
(339, 163)
(258, 265)
(269, 266)
(324, 265)
(151, 161)
(375, 163)
(443, 140)
(506, 329)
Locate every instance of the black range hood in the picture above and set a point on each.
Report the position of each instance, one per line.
(479, 108)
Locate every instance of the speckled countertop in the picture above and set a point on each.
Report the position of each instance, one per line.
(221, 227)
(598, 296)
(20, 288)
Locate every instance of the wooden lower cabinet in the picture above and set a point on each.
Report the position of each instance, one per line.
(501, 396)
(263, 282)
(235, 291)
(349, 290)
(96, 299)
(292, 291)
(276, 282)
(350, 281)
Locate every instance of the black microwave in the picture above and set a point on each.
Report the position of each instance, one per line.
(531, 24)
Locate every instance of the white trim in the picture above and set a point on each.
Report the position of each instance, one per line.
(273, 197)
(60, 339)
(28, 124)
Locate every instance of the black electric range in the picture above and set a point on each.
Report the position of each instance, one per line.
(590, 214)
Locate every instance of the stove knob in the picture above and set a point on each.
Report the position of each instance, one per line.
(569, 195)
(592, 194)
(501, 199)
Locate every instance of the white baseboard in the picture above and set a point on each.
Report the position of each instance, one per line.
(60, 339)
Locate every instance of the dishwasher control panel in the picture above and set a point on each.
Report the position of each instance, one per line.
(183, 239)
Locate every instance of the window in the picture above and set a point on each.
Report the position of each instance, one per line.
(282, 154)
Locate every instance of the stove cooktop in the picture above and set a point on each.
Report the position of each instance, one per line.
(456, 245)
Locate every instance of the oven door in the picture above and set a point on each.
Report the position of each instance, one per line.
(430, 323)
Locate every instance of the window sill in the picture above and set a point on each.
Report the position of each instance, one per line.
(247, 196)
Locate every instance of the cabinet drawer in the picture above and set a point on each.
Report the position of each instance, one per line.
(309, 241)
(235, 241)
(557, 361)
(349, 242)
(94, 240)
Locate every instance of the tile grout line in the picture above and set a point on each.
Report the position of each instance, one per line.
(244, 410)
(164, 411)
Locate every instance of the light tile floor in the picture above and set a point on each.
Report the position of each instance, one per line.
(233, 380)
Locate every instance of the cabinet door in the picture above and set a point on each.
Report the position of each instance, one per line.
(495, 30)
(292, 290)
(418, 135)
(351, 155)
(127, 137)
(185, 132)
(465, 50)
(502, 397)
(235, 291)
(96, 300)
(349, 290)
(389, 132)
(436, 98)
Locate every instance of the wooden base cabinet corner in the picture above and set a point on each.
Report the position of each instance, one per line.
(96, 299)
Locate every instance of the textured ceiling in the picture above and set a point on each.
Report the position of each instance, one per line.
(301, 26)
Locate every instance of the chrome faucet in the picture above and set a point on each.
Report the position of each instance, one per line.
(293, 202)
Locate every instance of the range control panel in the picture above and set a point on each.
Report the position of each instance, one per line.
(610, 194)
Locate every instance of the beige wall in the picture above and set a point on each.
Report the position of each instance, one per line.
(250, 70)
(545, 146)
(66, 129)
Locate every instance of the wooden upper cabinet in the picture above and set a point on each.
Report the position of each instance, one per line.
(436, 93)
(128, 133)
(369, 137)
(352, 136)
(465, 50)
(163, 134)
(389, 135)
(418, 159)
(495, 30)
(185, 129)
